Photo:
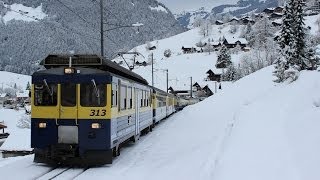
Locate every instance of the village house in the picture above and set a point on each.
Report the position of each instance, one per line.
(3, 97)
(211, 76)
(207, 91)
(234, 20)
(218, 22)
(268, 10)
(274, 16)
(23, 97)
(232, 42)
(278, 9)
(215, 45)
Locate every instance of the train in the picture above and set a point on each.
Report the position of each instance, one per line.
(84, 108)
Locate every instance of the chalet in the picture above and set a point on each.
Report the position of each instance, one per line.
(276, 23)
(23, 97)
(269, 10)
(258, 15)
(3, 97)
(188, 50)
(152, 48)
(207, 91)
(278, 9)
(233, 42)
(234, 20)
(196, 87)
(218, 22)
(216, 45)
(275, 16)
(245, 21)
(212, 76)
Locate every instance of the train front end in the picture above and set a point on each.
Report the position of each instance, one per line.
(71, 116)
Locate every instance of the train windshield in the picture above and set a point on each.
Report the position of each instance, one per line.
(93, 95)
(68, 95)
(45, 94)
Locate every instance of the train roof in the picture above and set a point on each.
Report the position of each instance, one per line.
(90, 61)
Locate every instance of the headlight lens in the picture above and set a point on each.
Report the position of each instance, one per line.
(42, 125)
(95, 126)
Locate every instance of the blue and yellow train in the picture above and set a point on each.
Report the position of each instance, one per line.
(85, 108)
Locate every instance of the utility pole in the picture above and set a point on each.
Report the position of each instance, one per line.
(167, 70)
(102, 29)
(191, 87)
(152, 70)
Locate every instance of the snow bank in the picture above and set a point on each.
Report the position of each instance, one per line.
(277, 135)
(19, 139)
(23, 13)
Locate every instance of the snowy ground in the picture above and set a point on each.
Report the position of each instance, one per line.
(255, 129)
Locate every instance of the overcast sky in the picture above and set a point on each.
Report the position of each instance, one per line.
(180, 5)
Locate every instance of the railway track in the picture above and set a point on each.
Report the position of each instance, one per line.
(62, 173)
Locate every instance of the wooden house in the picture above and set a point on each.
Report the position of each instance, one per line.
(234, 20)
(278, 9)
(196, 87)
(211, 76)
(207, 91)
(188, 50)
(218, 22)
(232, 42)
(275, 16)
(268, 10)
(3, 97)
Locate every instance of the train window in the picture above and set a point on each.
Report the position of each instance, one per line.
(141, 99)
(114, 95)
(45, 94)
(147, 98)
(130, 97)
(123, 97)
(68, 95)
(93, 95)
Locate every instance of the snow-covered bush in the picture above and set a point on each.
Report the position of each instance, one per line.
(167, 53)
(24, 122)
(316, 102)
(200, 44)
(291, 74)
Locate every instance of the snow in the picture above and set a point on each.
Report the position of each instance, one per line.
(23, 13)
(8, 80)
(229, 9)
(253, 129)
(312, 22)
(19, 139)
(159, 8)
(181, 66)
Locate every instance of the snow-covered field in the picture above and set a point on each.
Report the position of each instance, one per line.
(8, 80)
(253, 130)
(181, 66)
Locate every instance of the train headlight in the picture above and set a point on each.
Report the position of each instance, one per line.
(42, 125)
(69, 70)
(95, 126)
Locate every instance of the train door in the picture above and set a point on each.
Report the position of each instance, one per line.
(137, 110)
(68, 101)
(68, 111)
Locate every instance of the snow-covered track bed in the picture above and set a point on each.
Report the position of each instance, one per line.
(62, 173)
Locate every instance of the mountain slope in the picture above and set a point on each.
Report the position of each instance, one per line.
(22, 43)
(235, 8)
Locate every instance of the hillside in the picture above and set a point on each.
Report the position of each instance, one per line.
(181, 66)
(220, 8)
(265, 132)
(30, 30)
(8, 80)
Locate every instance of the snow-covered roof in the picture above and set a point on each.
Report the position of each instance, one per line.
(233, 40)
(3, 95)
(23, 94)
(215, 43)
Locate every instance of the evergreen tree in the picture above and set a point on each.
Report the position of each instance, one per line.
(28, 86)
(231, 73)
(299, 53)
(224, 58)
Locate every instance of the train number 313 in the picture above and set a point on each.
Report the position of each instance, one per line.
(94, 112)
